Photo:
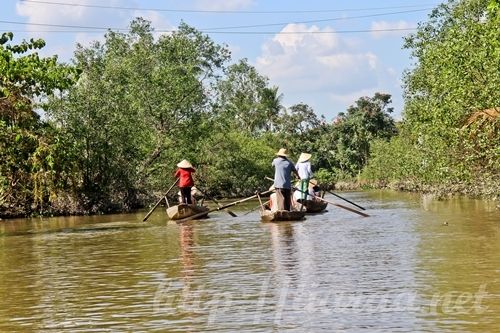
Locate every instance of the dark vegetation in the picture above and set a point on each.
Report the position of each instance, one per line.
(117, 120)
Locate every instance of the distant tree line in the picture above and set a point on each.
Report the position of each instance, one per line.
(117, 120)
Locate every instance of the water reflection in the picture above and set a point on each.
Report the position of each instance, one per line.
(293, 254)
(186, 236)
(285, 249)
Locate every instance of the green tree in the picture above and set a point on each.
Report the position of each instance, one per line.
(458, 56)
(346, 145)
(234, 163)
(457, 66)
(30, 172)
(297, 128)
(271, 102)
(245, 101)
(137, 102)
(455, 79)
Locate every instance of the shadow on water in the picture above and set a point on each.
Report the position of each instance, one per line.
(71, 224)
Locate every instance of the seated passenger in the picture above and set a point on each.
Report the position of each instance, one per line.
(314, 190)
(273, 202)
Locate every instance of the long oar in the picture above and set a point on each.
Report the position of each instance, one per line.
(335, 204)
(254, 209)
(338, 196)
(192, 217)
(152, 209)
(352, 203)
(217, 203)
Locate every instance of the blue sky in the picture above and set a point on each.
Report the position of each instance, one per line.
(326, 54)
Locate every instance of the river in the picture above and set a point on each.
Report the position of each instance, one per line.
(415, 265)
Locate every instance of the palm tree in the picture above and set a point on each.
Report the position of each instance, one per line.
(271, 102)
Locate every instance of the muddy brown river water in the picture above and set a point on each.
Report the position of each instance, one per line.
(415, 265)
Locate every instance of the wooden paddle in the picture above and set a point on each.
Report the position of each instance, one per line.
(352, 203)
(152, 209)
(217, 203)
(192, 217)
(253, 209)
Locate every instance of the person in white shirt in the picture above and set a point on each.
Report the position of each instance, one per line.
(304, 170)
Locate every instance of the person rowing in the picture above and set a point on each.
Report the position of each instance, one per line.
(283, 179)
(185, 174)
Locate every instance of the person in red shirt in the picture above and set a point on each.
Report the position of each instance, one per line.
(186, 182)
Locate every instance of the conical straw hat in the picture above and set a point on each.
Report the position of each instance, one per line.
(282, 152)
(312, 183)
(184, 164)
(304, 157)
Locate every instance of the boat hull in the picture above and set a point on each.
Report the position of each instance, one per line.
(313, 206)
(281, 215)
(184, 210)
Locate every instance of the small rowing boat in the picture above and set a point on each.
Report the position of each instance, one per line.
(183, 211)
(314, 206)
(281, 215)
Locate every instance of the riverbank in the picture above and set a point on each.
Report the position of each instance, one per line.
(488, 189)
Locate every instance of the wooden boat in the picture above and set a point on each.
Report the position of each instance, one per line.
(182, 211)
(281, 215)
(315, 206)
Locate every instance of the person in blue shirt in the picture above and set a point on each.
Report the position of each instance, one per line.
(283, 170)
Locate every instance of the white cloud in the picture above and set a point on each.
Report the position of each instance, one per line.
(43, 13)
(64, 44)
(290, 56)
(295, 36)
(307, 65)
(327, 71)
(72, 15)
(85, 18)
(385, 25)
(223, 4)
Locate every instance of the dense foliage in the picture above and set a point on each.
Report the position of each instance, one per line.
(137, 108)
(117, 121)
(349, 144)
(29, 147)
(449, 135)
